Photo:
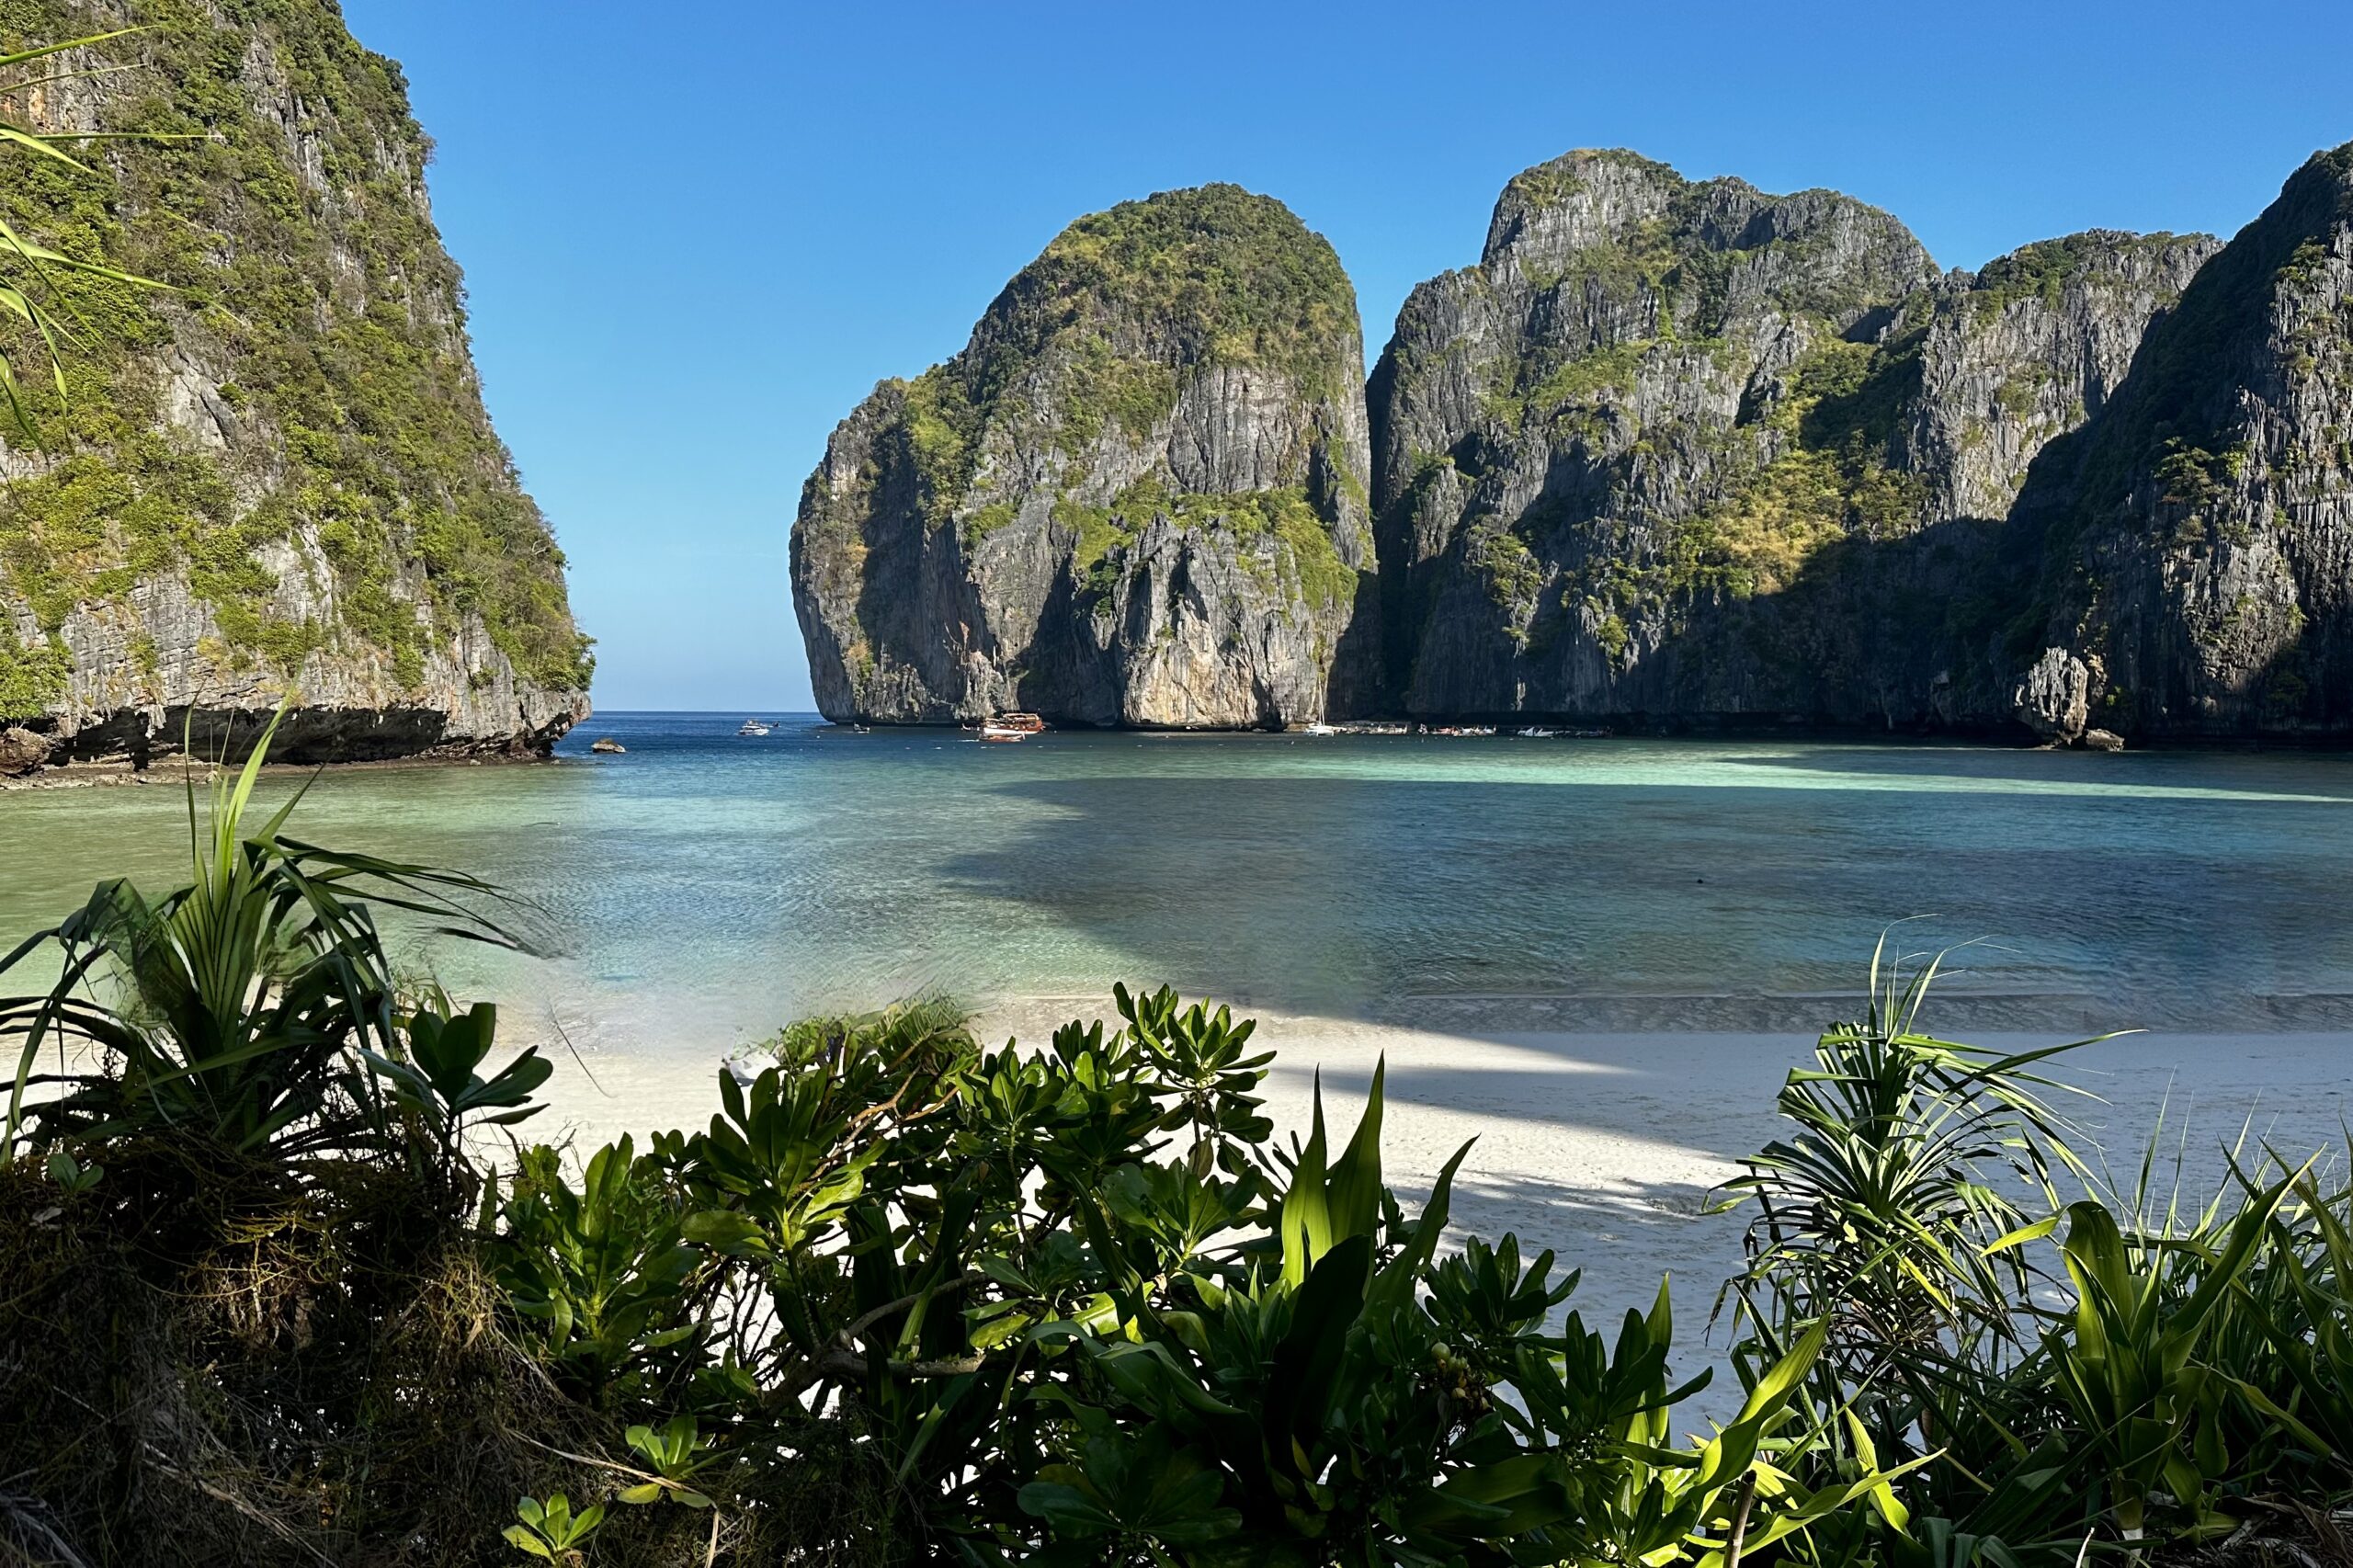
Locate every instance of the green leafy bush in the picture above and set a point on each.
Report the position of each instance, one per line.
(1083, 1308)
(2035, 1376)
(907, 1298)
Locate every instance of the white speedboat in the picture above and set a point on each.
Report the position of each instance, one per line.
(1318, 729)
(1537, 733)
(754, 727)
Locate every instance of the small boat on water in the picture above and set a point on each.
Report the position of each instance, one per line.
(1537, 733)
(754, 727)
(607, 746)
(1318, 729)
(1012, 727)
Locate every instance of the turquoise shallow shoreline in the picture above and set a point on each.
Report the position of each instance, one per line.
(703, 887)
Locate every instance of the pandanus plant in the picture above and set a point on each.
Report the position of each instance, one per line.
(1879, 1214)
(245, 1006)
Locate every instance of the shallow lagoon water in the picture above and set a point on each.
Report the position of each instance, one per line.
(704, 887)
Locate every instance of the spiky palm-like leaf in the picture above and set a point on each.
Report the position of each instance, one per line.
(234, 1006)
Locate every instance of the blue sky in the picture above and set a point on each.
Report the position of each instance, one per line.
(694, 239)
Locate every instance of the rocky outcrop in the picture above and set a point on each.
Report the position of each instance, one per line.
(1673, 453)
(1138, 496)
(274, 482)
(2055, 697)
(21, 751)
(2198, 549)
(1687, 452)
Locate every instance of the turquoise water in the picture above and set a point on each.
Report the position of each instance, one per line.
(703, 887)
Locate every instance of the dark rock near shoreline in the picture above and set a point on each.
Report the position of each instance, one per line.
(21, 751)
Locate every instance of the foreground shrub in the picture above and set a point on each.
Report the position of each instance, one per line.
(911, 1299)
(2052, 1377)
(1085, 1309)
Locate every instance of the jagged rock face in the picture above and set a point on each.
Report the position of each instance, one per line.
(2027, 349)
(1602, 419)
(1689, 452)
(2198, 551)
(275, 482)
(1672, 451)
(1138, 496)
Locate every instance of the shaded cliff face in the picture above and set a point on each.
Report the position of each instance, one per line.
(280, 478)
(2196, 552)
(1138, 496)
(1673, 451)
(1690, 451)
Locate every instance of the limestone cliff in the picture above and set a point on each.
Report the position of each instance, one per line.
(2195, 554)
(1137, 497)
(277, 478)
(1685, 451)
(1672, 452)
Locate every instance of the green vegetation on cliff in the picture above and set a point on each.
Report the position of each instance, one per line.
(2043, 270)
(1104, 329)
(1553, 183)
(1816, 467)
(1813, 465)
(1233, 277)
(30, 678)
(1283, 522)
(1831, 478)
(1689, 254)
(315, 341)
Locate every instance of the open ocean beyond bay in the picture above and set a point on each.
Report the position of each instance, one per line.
(704, 888)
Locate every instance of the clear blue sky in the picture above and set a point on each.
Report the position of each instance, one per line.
(695, 237)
